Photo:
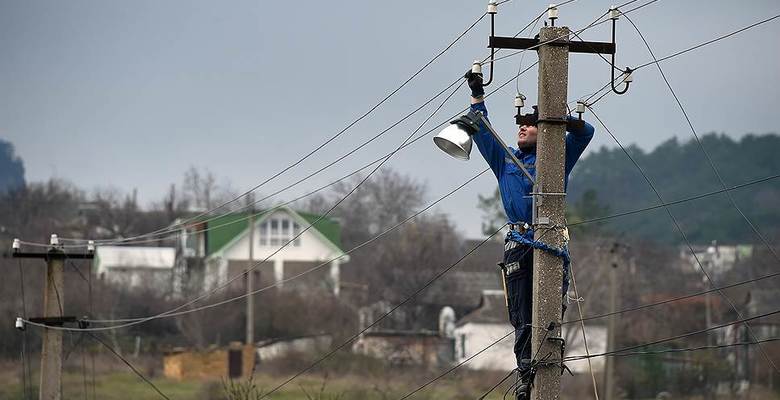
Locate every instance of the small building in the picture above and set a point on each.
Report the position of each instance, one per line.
(487, 330)
(135, 267)
(234, 361)
(223, 245)
(481, 328)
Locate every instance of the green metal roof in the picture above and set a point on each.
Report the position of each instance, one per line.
(225, 228)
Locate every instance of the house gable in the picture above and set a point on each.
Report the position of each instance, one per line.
(231, 233)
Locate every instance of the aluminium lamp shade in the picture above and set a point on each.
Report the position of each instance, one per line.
(455, 141)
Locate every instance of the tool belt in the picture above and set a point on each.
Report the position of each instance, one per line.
(521, 227)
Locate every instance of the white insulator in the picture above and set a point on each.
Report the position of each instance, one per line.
(492, 7)
(580, 107)
(17, 245)
(519, 100)
(552, 11)
(614, 13)
(628, 76)
(54, 241)
(19, 323)
(476, 68)
(91, 246)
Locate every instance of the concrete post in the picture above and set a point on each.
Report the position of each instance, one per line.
(550, 209)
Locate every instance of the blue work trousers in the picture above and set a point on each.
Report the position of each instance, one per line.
(519, 287)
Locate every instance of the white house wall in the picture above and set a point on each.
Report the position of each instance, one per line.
(311, 248)
(473, 337)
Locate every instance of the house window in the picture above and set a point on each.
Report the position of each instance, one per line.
(278, 231)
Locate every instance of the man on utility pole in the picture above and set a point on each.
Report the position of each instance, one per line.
(535, 265)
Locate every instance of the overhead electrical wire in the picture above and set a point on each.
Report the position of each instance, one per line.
(660, 205)
(680, 336)
(132, 368)
(301, 232)
(711, 163)
(723, 190)
(684, 350)
(701, 146)
(381, 317)
(612, 353)
(681, 52)
(180, 224)
(135, 321)
(340, 132)
(684, 236)
(171, 230)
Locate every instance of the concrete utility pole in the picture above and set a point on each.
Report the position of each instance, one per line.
(550, 209)
(53, 308)
(609, 368)
(250, 275)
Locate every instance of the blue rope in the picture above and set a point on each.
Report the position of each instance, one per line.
(527, 240)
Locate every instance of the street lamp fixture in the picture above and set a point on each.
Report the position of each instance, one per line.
(456, 140)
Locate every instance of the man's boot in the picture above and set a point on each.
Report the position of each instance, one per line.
(523, 386)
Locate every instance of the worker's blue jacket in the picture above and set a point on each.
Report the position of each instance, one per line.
(514, 186)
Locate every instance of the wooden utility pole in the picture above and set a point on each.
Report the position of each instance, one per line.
(53, 303)
(250, 274)
(550, 206)
(53, 308)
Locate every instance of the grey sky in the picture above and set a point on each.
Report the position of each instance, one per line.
(129, 94)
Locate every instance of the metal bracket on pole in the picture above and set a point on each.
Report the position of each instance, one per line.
(500, 42)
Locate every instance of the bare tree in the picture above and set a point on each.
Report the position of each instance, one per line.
(202, 191)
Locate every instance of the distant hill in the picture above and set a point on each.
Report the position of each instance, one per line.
(607, 179)
(11, 167)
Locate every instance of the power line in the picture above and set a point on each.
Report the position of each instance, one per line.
(382, 317)
(339, 133)
(698, 140)
(595, 22)
(708, 42)
(172, 233)
(674, 299)
(310, 270)
(124, 360)
(684, 236)
(671, 203)
(194, 221)
(238, 276)
(680, 336)
(678, 53)
(172, 312)
(687, 349)
(599, 219)
(717, 174)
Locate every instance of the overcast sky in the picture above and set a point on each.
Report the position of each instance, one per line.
(130, 94)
